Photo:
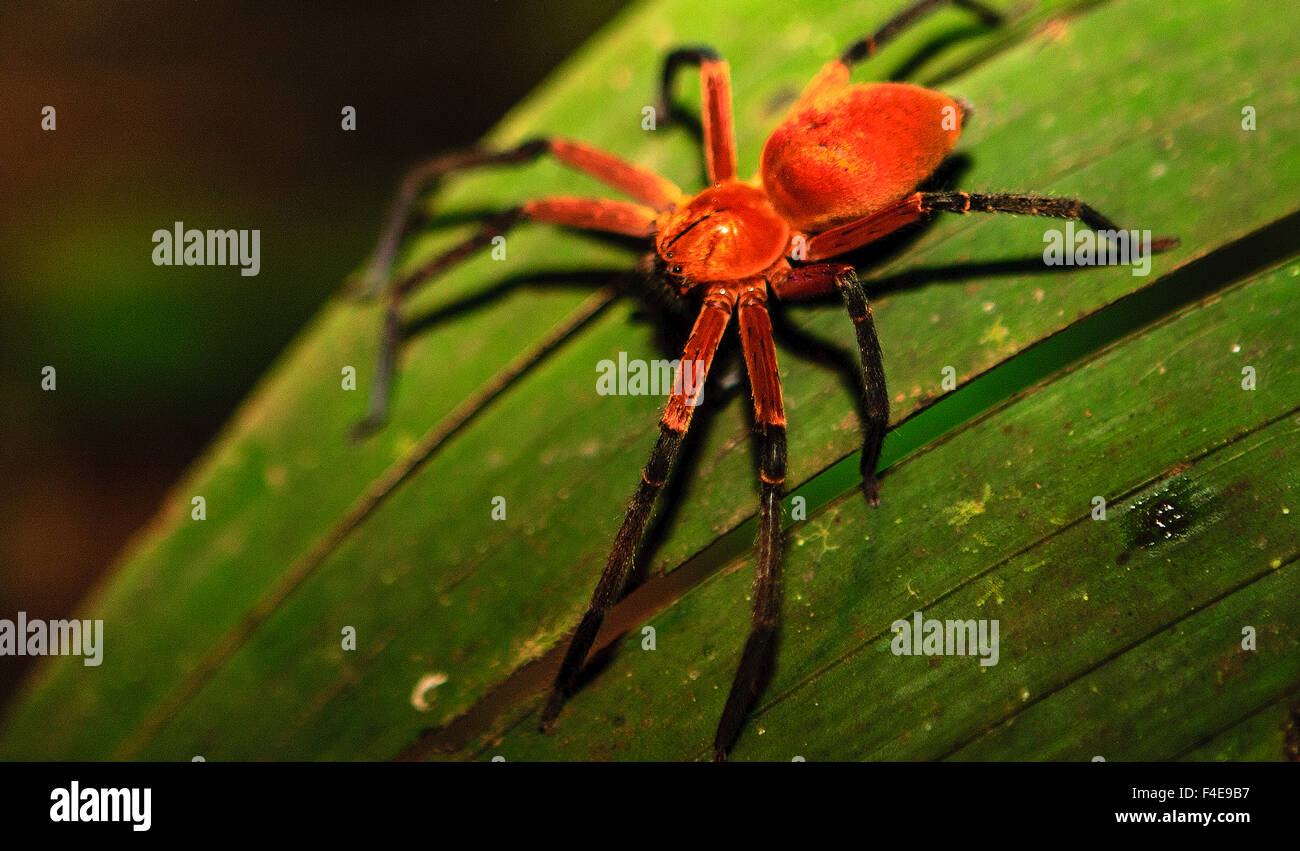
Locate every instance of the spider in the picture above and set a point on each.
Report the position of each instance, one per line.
(841, 170)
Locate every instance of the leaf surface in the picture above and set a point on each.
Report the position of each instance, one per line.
(223, 636)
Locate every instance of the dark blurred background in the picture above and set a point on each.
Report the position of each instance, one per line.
(220, 115)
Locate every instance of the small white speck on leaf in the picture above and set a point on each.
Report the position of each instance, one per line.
(426, 684)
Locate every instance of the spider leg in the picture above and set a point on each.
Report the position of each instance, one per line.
(835, 73)
(916, 206)
(715, 99)
(856, 234)
(815, 280)
(1029, 205)
(593, 214)
(719, 303)
(632, 180)
(820, 279)
(769, 415)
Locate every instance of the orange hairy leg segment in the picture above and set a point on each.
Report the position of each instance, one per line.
(632, 180)
(598, 214)
(719, 134)
(760, 352)
(832, 77)
(856, 234)
(688, 389)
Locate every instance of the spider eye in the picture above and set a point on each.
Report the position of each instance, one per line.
(677, 270)
(669, 256)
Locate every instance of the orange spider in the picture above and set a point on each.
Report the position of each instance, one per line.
(840, 171)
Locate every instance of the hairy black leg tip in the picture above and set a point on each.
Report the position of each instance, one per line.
(719, 754)
(554, 704)
(872, 492)
(365, 428)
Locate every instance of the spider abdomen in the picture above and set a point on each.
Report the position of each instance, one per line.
(727, 232)
(856, 151)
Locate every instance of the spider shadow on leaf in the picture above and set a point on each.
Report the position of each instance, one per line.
(909, 70)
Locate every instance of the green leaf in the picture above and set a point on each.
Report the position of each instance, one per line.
(223, 636)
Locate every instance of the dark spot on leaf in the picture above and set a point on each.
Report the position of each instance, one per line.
(1161, 520)
(1169, 512)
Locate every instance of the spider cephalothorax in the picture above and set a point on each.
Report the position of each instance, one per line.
(840, 171)
(727, 232)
